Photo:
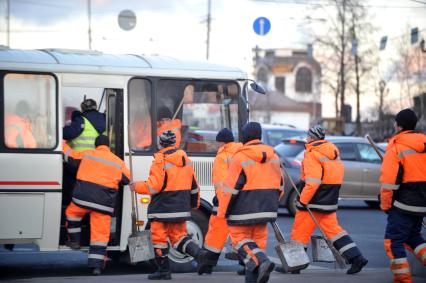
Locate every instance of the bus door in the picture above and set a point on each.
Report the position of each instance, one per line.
(115, 133)
(30, 159)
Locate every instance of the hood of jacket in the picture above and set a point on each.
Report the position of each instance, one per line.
(174, 156)
(325, 148)
(257, 151)
(230, 147)
(411, 139)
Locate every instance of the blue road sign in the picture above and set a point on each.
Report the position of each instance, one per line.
(261, 26)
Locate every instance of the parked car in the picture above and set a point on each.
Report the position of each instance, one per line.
(274, 134)
(362, 168)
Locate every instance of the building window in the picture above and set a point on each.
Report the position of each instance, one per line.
(304, 80)
(280, 84)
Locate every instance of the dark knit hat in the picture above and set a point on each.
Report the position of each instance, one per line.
(251, 131)
(88, 104)
(164, 113)
(406, 119)
(168, 138)
(101, 140)
(225, 136)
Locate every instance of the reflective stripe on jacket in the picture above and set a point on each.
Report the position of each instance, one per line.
(252, 186)
(322, 171)
(86, 140)
(98, 177)
(403, 174)
(172, 185)
(220, 169)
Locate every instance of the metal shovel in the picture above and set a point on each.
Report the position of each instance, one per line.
(292, 254)
(140, 243)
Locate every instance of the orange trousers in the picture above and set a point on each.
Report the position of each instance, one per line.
(162, 231)
(99, 223)
(217, 234)
(304, 226)
(250, 242)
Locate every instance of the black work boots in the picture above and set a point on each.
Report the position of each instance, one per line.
(163, 269)
(264, 271)
(357, 264)
(73, 245)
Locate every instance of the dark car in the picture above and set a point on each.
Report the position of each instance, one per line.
(362, 168)
(274, 134)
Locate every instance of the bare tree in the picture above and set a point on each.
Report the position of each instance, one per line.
(364, 57)
(346, 55)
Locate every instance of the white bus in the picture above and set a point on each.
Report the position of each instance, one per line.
(129, 89)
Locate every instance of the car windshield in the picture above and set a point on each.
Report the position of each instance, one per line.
(289, 149)
(275, 136)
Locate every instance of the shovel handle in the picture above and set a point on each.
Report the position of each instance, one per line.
(277, 232)
(135, 215)
(370, 140)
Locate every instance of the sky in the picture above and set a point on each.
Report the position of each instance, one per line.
(178, 28)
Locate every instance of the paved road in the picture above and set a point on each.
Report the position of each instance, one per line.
(365, 225)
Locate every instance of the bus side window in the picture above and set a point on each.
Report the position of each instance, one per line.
(140, 130)
(29, 111)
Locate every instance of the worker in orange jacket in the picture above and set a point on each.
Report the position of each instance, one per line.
(165, 122)
(218, 229)
(403, 195)
(174, 191)
(100, 172)
(250, 200)
(322, 175)
(18, 130)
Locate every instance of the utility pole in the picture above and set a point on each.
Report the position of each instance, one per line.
(209, 19)
(342, 61)
(89, 17)
(8, 23)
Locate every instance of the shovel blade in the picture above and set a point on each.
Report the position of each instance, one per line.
(140, 247)
(292, 256)
(320, 250)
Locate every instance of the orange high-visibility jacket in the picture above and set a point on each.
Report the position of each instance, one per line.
(220, 169)
(173, 186)
(100, 172)
(403, 175)
(322, 171)
(252, 186)
(18, 133)
(171, 125)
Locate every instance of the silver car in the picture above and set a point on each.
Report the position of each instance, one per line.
(362, 168)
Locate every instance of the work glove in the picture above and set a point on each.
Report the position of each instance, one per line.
(132, 186)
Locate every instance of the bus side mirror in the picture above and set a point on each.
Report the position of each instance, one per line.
(257, 88)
